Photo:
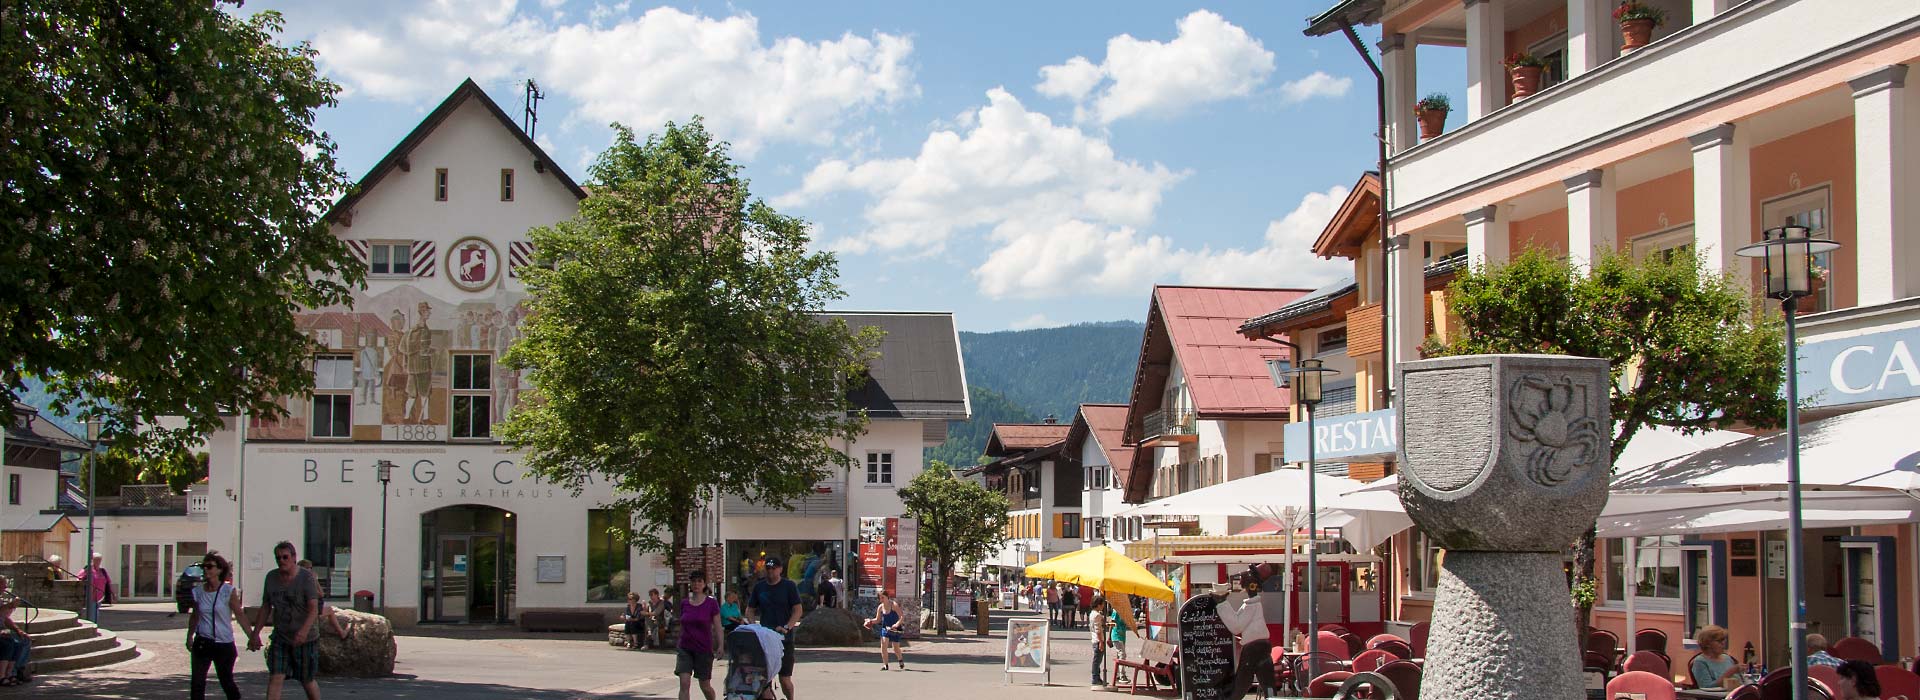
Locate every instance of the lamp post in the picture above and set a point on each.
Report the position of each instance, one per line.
(1787, 256)
(93, 439)
(1306, 380)
(384, 469)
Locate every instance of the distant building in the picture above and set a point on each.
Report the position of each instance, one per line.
(1095, 440)
(31, 522)
(1041, 480)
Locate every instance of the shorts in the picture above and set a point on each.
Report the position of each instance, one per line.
(786, 656)
(697, 663)
(299, 662)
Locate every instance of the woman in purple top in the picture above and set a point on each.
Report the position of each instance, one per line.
(699, 637)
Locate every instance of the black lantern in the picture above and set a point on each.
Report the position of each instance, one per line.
(1787, 254)
(384, 469)
(1306, 381)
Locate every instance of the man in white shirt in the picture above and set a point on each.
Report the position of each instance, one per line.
(1242, 613)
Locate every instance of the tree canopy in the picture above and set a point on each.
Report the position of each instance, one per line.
(674, 344)
(161, 190)
(959, 521)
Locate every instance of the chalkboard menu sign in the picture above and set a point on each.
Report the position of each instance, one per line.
(1206, 651)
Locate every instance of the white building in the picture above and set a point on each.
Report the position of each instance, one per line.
(1095, 440)
(1041, 480)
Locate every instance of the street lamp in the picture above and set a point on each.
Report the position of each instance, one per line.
(1306, 380)
(93, 447)
(384, 469)
(1786, 253)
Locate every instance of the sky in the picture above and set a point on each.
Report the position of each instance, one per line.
(1022, 164)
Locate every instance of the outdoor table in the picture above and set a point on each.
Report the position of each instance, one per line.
(1701, 693)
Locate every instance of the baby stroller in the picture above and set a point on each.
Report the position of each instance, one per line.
(746, 666)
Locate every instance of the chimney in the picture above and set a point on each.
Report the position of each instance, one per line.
(1051, 420)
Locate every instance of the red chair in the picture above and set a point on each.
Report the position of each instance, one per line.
(1778, 685)
(1372, 659)
(1897, 683)
(1641, 683)
(1605, 643)
(1856, 649)
(1374, 641)
(1398, 649)
(1650, 639)
(1405, 676)
(1355, 644)
(1326, 684)
(1648, 662)
(1333, 644)
(1827, 675)
(1418, 638)
(1308, 666)
(1745, 692)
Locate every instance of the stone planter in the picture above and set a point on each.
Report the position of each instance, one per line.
(1526, 81)
(1635, 33)
(1432, 122)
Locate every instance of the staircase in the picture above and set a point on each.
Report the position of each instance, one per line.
(64, 642)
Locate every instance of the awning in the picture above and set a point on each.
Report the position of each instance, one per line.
(1878, 448)
(1281, 495)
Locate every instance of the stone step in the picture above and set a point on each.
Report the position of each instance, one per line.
(45, 619)
(102, 639)
(121, 650)
(44, 636)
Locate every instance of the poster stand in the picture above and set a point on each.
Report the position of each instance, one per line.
(1028, 649)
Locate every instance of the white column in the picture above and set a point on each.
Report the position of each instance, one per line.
(1704, 10)
(1722, 199)
(1409, 298)
(1591, 218)
(1486, 75)
(1397, 62)
(1590, 30)
(1887, 185)
(1487, 239)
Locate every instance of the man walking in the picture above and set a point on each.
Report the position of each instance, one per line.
(775, 602)
(291, 596)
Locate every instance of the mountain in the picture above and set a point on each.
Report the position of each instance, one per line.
(1024, 376)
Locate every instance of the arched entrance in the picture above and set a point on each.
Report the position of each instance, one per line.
(466, 567)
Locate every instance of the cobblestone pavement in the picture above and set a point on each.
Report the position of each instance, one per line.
(466, 662)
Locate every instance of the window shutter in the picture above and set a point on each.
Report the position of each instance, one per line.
(359, 250)
(423, 253)
(519, 255)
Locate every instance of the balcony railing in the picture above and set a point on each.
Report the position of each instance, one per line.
(1167, 425)
(197, 504)
(826, 499)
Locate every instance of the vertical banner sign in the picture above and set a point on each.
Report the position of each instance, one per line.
(1206, 651)
(905, 561)
(871, 577)
(889, 577)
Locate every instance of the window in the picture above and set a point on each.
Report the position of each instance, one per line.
(440, 185)
(1097, 529)
(609, 561)
(1070, 525)
(506, 184)
(1812, 209)
(1667, 245)
(1657, 565)
(1425, 563)
(329, 546)
(879, 468)
(1552, 51)
(13, 489)
(391, 259)
(472, 396)
(1332, 340)
(332, 396)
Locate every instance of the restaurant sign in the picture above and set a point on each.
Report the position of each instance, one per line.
(1370, 434)
(1860, 369)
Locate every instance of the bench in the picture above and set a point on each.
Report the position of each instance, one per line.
(1156, 662)
(562, 621)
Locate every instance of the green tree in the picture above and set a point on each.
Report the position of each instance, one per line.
(114, 468)
(161, 188)
(673, 342)
(1688, 349)
(959, 521)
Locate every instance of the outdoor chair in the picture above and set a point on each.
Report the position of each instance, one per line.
(1897, 683)
(1856, 649)
(1405, 677)
(1745, 692)
(1397, 648)
(1650, 639)
(1304, 667)
(1326, 684)
(1604, 662)
(1778, 685)
(1648, 662)
(1653, 687)
(1354, 643)
(1368, 686)
(1155, 665)
(1606, 644)
(1374, 641)
(1372, 659)
(1826, 674)
(1418, 638)
(1336, 645)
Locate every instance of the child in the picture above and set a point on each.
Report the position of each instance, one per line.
(327, 612)
(1097, 622)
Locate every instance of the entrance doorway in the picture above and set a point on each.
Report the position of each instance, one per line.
(467, 564)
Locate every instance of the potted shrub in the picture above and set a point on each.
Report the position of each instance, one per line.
(1432, 112)
(1637, 20)
(1526, 69)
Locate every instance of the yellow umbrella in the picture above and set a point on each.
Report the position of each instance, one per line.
(1102, 569)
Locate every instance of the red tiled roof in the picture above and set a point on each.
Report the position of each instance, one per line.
(1106, 423)
(1013, 437)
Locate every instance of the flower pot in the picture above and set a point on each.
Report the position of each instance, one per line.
(1635, 33)
(1432, 122)
(1526, 81)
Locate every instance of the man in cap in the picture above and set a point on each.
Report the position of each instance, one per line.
(775, 603)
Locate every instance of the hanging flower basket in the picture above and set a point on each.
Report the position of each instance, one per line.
(1637, 21)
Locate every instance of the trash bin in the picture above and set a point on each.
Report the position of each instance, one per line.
(982, 616)
(363, 601)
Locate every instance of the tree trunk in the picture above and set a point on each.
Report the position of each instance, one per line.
(1583, 565)
(940, 598)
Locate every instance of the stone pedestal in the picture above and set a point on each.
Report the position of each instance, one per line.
(1504, 462)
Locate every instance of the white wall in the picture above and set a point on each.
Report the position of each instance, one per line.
(113, 532)
(39, 490)
(1099, 503)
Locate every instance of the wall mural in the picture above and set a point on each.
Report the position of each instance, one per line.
(401, 343)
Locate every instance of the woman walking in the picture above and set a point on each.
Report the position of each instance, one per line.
(216, 602)
(886, 620)
(699, 637)
(636, 617)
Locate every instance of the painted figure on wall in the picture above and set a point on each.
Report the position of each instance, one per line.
(367, 373)
(417, 344)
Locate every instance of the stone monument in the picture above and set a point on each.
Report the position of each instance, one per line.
(1504, 463)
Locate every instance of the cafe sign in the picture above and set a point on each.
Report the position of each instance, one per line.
(1370, 434)
(1860, 369)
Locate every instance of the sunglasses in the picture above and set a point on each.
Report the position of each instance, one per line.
(283, 557)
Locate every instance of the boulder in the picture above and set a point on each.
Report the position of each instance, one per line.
(927, 625)
(831, 627)
(368, 651)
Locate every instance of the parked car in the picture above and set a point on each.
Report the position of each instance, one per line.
(183, 587)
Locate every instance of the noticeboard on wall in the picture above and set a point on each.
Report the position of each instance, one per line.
(550, 568)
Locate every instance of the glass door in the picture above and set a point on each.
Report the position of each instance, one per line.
(483, 578)
(1869, 591)
(451, 563)
(1703, 584)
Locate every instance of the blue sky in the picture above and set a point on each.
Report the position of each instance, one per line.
(1021, 164)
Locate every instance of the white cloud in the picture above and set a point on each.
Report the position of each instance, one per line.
(1317, 84)
(1034, 321)
(1210, 59)
(666, 64)
(1000, 167)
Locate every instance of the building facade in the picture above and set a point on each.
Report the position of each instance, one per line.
(1095, 437)
(1041, 479)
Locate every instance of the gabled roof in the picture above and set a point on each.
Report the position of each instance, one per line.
(1010, 438)
(30, 429)
(1328, 304)
(397, 157)
(1357, 221)
(1106, 425)
(44, 521)
(918, 374)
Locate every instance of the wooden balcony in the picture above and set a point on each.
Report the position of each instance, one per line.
(1167, 427)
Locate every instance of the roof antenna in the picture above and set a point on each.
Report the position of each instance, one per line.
(531, 120)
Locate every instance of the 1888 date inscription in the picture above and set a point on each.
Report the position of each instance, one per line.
(1206, 651)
